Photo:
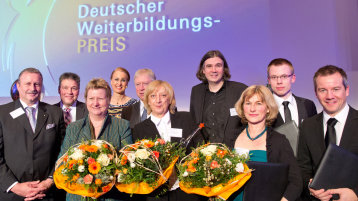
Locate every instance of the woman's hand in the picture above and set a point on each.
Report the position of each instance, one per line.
(283, 199)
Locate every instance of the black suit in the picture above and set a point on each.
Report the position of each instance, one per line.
(81, 110)
(305, 107)
(311, 146)
(147, 129)
(132, 114)
(233, 92)
(25, 155)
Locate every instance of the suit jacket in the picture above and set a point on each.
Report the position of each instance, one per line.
(311, 146)
(233, 92)
(25, 155)
(147, 129)
(305, 107)
(132, 114)
(81, 110)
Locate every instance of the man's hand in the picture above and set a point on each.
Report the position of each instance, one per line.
(345, 194)
(321, 194)
(25, 189)
(42, 186)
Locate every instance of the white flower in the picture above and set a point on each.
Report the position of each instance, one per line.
(209, 150)
(77, 154)
(239, 167)
(98, 143)
(156, 143)
(185, 174)
(228, 161)
(144, 142)
(132, 165)
(131, 156)
(81, 168)
(142, 154)
(103, 159)
(120, 177)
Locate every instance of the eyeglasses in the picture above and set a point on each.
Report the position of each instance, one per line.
(282, 77)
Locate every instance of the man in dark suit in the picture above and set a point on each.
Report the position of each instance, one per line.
(212, 102)
(30, 140)
(281, 76)
(136, 113)
(338, 124)
(69, 88)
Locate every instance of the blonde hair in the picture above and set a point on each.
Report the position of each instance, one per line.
(99, 83)
(266, 97)
(155, 85)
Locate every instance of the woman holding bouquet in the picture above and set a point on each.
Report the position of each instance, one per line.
(258, 110)
(164, 122)
(98, 125)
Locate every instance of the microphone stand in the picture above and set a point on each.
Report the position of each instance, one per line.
(185, 142)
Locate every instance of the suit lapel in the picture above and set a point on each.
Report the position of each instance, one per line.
(302, 112)
(136, 116)
(41, 119)
(349, 128)
(228, 102)
(320, 135)
(200, 102)
(152, 128)
(80, 110)
(22, 119)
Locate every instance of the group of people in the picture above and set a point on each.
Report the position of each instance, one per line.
(34, 134)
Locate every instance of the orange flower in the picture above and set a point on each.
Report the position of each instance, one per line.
(208, 158)
(105, 188)
(214, 165)
(125, 171)
(156, 154)
(124, 160)
(65, 158)
(82, 147)
(105, 146)
(221, 153)
(90, 160)
(185, 163)
(149, 144)
(194, 154)
(91, 148)
(195, 160)
(71, 163)
(161, 141)
(75, 177)
(98, 181)
(191, 168)
(88, 179)
(94, 168)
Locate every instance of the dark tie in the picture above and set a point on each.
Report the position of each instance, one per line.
(144, 115)
(287, 111)
(331, 132)
(32, 119)
(67, 116)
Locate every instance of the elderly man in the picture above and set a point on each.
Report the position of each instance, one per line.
(281, 76)
(338, 124)
(137, 113)
(69, 88)
(30, 138)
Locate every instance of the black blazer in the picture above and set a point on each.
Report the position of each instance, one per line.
(132, 114)
(183, 120)
(81, 110)
(311, 145)
(25, 155)
(233, 92)
(305, 107)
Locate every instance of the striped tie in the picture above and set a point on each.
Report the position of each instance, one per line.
(67, 116)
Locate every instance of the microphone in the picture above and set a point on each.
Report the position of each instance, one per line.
(185, 142)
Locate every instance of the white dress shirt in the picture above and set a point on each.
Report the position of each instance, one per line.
(341, 118)
(292, 106)
(163, 125)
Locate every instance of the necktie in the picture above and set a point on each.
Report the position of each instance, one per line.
(32, 119)
(144, 115)
(287, 111)
(331, 132)
(67, 116)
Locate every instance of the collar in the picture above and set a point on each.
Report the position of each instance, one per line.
(280, 100)
(72, 106)
(24, 105)
(165, 119)
(222, 87)
(341, 116)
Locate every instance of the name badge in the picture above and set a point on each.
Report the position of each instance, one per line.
(16, 113)
(233, 112)
(176, 132)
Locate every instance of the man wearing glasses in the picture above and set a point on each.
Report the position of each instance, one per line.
(281, 76)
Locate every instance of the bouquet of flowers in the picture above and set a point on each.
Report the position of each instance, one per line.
(87, 169)
(212, 170)
(146, 165)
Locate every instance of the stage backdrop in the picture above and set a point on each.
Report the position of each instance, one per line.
(92, 37)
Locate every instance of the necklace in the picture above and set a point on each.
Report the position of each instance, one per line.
(258, 136)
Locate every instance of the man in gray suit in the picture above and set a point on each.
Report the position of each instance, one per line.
(30, 138)
(69, 88)
(281, 76)
(136, 113)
